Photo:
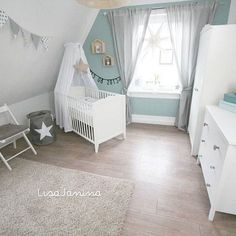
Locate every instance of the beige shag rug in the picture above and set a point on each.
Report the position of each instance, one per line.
(40, 199)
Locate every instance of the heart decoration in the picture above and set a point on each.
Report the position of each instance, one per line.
(3, 18)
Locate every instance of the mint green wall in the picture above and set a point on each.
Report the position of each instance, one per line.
(101, 30)
(145, 106)
(222, 12)
(155, 107)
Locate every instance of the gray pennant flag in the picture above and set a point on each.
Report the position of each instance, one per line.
(15, 28)
(26, 37)
(36, 40)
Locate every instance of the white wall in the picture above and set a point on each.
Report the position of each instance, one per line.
(25, 72)
(41, 102)
(232, 13)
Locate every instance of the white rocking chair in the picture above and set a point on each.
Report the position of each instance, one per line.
(10, 132)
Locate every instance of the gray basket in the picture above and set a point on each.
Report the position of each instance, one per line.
(42, 130)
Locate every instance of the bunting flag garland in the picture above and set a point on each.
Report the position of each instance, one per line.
(107, 81)
(3, 18)
(27, 36)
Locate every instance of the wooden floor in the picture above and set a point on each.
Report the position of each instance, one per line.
(170, 197)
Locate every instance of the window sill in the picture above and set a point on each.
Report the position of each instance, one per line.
(154, 94)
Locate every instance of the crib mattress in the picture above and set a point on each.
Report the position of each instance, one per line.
(89, 99)
(83, 105)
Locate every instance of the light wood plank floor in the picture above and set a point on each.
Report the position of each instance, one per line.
(170, 198)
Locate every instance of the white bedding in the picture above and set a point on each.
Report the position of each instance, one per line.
(89, 99)
(82, 105)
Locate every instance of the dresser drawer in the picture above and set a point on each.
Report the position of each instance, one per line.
(211, 164)
(212, 152)
(209, 176)
(217, 155)
(218, 145)
(206, 127)
(211, 135)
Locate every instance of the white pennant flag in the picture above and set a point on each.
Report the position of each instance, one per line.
(3, 18)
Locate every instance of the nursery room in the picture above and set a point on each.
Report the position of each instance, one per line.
(118, 117)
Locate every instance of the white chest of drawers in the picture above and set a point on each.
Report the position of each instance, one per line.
(217, 155)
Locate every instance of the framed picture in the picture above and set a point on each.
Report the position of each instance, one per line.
(107, 60)
(166, 57)
(98, 46)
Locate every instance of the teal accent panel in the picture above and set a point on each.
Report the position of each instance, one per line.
(101, 30)
(155, 106)
(222, 12)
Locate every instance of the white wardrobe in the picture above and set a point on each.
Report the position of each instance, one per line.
(215, 75)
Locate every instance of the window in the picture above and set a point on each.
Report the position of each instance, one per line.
(156, 69)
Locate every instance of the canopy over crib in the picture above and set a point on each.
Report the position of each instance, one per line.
(74, 71)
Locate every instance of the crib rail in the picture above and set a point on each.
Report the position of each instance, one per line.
(90, 114)
(97, 94)
(80, 113)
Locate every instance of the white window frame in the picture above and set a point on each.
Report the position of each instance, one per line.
(165, 94)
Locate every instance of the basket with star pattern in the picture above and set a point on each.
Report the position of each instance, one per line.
(42, 130)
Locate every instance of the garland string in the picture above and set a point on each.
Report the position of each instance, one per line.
(27, 36)
(100, 80)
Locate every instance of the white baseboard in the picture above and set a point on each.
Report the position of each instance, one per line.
(156, 120)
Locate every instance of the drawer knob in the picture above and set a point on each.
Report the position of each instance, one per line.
(212, 167)
(203, 141)
(216, 147)
(205, 124)
(208, 185)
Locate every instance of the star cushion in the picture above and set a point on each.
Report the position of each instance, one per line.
(81, 67)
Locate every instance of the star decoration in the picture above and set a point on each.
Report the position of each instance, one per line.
(155, 39)
(81, 67)
(44, 131)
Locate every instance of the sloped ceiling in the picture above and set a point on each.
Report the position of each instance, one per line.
(25, 72)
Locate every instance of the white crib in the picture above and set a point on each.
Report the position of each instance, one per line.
(96, 115)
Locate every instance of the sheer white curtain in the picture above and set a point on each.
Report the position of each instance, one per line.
(186, 22)
(72, 55)
(128, 30)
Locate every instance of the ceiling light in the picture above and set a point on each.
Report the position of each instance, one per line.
(104, 4)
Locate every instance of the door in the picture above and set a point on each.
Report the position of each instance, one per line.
(200, 75)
